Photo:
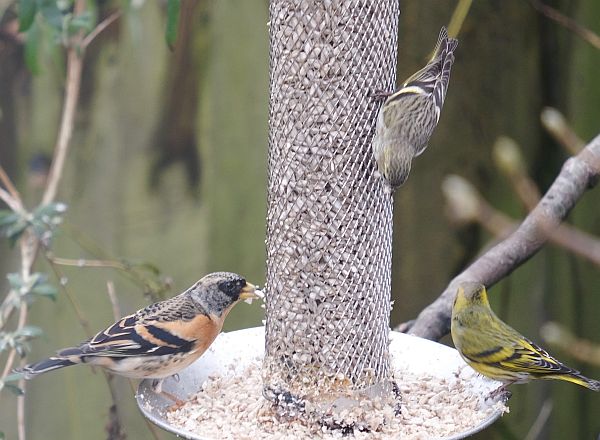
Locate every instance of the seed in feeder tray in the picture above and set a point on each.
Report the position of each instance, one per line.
(232, 406)
(160, 340)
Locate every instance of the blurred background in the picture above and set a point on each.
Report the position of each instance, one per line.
(166, 177)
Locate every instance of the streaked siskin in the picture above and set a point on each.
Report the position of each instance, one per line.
(408, 117)
(496, 350)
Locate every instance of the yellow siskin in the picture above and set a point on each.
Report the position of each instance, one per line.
(160, 340)
(408, 116)
(498, 351)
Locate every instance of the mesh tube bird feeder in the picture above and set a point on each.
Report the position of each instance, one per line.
(329, 361)
(329, 222)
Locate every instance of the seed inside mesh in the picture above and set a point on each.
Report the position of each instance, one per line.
(329, 225)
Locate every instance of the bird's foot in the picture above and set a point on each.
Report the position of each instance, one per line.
(459, 371)
(387, 189)
(177, 403)
(500, 391)
(379, 94)
(157, 385)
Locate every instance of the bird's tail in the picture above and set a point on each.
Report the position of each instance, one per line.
(434, 77)
(580, 379)
(445, 45)
(31, 370)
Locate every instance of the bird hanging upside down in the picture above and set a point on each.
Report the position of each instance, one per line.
(499, 352)
(408, 116)
(160, 340)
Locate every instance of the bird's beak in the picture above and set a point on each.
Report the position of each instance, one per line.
(250, 291)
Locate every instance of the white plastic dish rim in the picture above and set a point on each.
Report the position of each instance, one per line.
(232, 352)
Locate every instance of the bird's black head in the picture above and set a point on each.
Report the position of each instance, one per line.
(218, 291)
(231, 285)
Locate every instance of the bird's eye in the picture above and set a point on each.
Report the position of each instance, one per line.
(229, 285)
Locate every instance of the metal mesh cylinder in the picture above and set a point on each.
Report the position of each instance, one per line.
(329, 222)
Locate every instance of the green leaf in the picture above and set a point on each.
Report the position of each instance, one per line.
(45, 289)
(53, 14)
(2, 436)
(173, 8)
(32, 48)
(150, 267)
(84, 21)
(15, 389)
(14, 280)
(27, 10)
(7, 217)
(50, 210)
(29, 332)
(14, 231)
(12, 225)
(14, 377)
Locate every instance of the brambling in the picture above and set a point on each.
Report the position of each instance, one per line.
(160, 340)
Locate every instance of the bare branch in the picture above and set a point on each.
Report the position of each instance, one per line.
(99, 28)
(114, 301)
(10, 187)
(82, 262)
(458, 17)
(22, 435)
(556, 124)
(10, 201)
(541, 420)
(460, 193)
(578, 174)
(567, 22)
(580, 349)
(73, 82)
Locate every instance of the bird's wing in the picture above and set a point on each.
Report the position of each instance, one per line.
(531, 358)
(494, 350)
(167, 327)
(507, 349)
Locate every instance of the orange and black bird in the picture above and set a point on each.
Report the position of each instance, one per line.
(160, 340)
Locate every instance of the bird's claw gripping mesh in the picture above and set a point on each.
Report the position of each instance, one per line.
(329, 222)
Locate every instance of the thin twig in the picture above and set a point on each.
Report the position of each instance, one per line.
(511, 163)
(578, 242)
(10, 201)
(578, 174)
(85, 323)
(10, 186)
(22, 434)
(99, 28)
(567, 22)
(114, 302)
(73, 82)
(556, 124)
(151, 427)
(11, 356)
(9, 363)
(458, 17)
(541, 420)
(82, 262)
(580, 349)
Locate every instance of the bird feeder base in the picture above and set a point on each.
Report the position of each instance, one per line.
(233, 353)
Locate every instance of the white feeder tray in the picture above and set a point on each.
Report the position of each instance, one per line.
(233, 352)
